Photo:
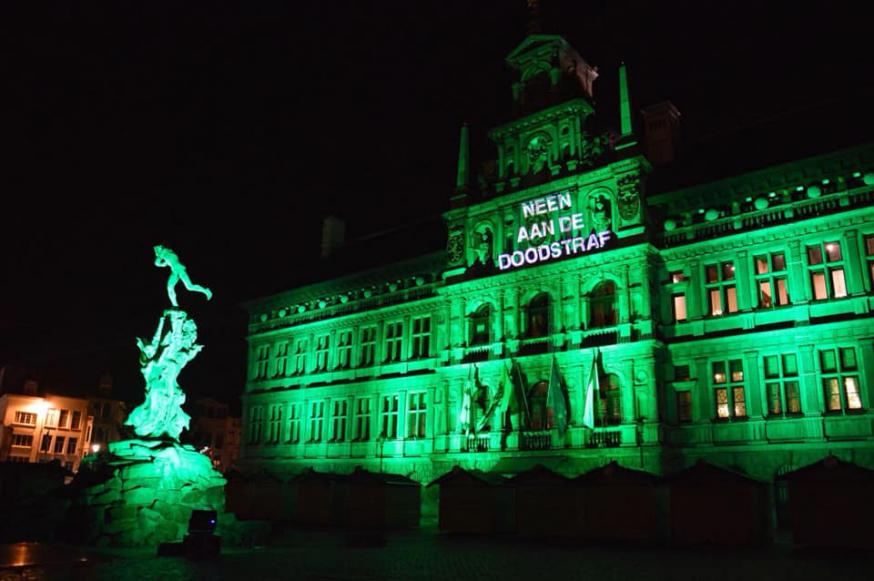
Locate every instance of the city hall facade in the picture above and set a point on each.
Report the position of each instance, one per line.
(579, 314)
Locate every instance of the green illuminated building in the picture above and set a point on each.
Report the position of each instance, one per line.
(582, 312)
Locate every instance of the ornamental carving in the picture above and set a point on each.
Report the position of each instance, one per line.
(455, 246)
(629, 196)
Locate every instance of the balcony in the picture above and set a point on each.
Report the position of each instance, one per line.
(475, 443)
(539, 440)
(604, 439)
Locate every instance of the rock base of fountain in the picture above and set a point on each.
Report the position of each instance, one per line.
(142, 492)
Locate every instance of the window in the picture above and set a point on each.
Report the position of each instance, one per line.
(421, 337)
(59, 444)
(317, 420)
(479, 325)
(63, 418)
(323, 346)
(75, 420)
(610, 400)
(368, 346)
(294, 423)
(728, 381)
(681, 373)
(262, 361)
(22, 440)
(678, 304)
(840, 379)
(25, 418)
(869, 253)
(781, 384)
(52, 418)
(603, 305)
(71, 445)
(362, 419)
(389, 417)
(826, 268)
(677, 276)
(300, 356)
(393, 341)
(537, 316)
(281, 364)
(771, 277)
(256, 424)
(721, 288)
(46, 443)
(274, 425)
(416, 414)
(684, 407)
(344, 350)
(338, 415)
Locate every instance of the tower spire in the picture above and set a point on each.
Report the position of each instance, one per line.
(626, 130)
(534, 17)
(462, 177)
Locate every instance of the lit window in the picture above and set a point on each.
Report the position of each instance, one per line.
(728, 378)
(421, 337)
(677, 276)
(25, 418)
(771, 279)
(825, 265)
(781, 384)
(416, 414)
(679, 307)
(721, 288)
(839, 370)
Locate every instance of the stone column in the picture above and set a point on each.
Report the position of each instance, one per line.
(866, 369)
(812, 399)
(746, 299)
(694, 291)
(854, 271)
(799, 290)
(756, 394)
(702, 406)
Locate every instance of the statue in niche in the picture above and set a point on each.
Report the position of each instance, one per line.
(538, 153)
(628, 197)
(484, 244)
(602, 218)
(166, 257)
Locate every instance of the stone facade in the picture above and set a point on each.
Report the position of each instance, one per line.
(730, 320)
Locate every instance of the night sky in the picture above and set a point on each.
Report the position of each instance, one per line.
(229, 130)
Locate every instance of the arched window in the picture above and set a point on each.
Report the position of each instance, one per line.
(609, 404)
(537, 402)
(480, 322)
(537, 316)
(603, 305)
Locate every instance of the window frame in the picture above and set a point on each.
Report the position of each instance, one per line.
(826, 268)
(771, 277)
(841, 373)
(389, 416)
(393, 342)
(781, 382)
(730, 386)
(367, 351)
(339, 415)
(363, 415)
(417, 415)
(723, 286)
(420, 332)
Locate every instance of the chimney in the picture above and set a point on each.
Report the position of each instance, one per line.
(661, 133)
(333, 235)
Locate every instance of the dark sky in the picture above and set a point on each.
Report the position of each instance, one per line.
(227, 130)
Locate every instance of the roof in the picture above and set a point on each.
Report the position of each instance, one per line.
(539, 474)
(614, 473)
(703, 472)
(829, 469)
(474, 476)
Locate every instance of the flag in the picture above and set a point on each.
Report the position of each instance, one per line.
(555, 401)
(591, 387)
(521, 398)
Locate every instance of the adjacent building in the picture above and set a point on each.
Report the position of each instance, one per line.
(215, 432)
(587, 308)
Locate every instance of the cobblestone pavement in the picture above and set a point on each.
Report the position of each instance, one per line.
(425, 555)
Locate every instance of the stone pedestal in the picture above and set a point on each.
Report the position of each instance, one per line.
(142, 492)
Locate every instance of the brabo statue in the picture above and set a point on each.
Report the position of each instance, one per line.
(162, 359)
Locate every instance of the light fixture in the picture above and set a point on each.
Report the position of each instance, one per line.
(95, 448)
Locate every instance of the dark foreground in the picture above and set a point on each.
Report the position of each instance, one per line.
(425, 554)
